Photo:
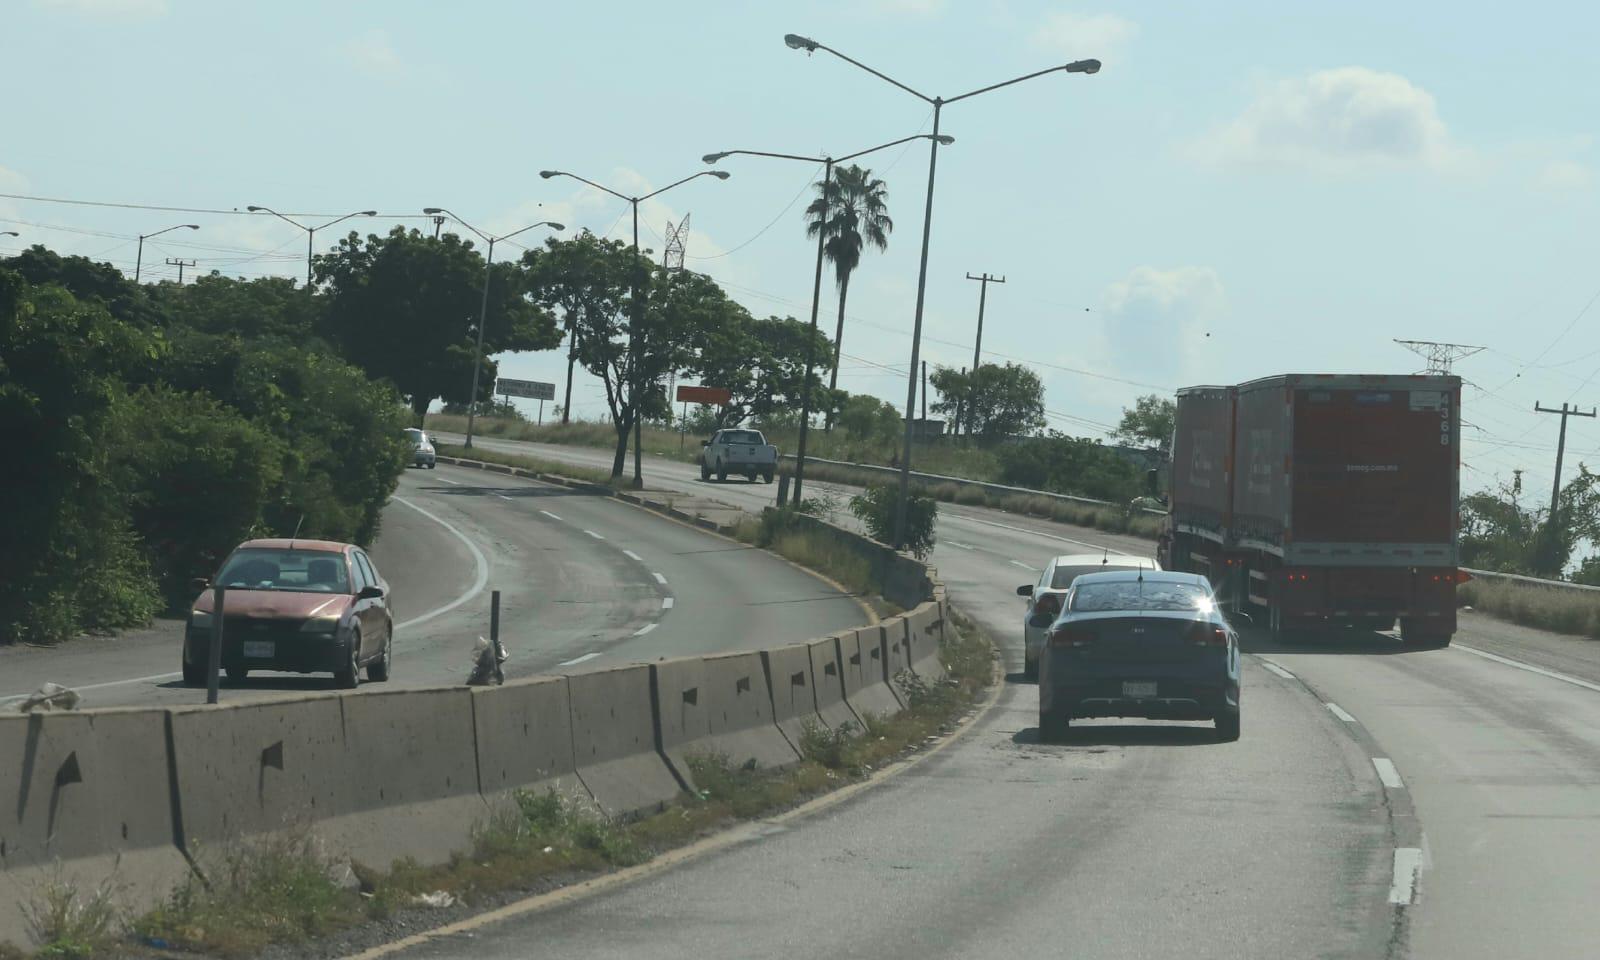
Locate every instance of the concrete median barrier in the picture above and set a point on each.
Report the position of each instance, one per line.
(614, 741)
(827, 667)
(524, 740)
(411, 776)
(897, 654)
(866, 677)
(794, 695)
(85, 797)
(924, 631)
(718, 706)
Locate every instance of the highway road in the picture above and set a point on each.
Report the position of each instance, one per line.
(585, 581)
(1382, 802)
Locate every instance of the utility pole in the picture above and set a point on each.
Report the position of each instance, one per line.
(438, 223)
(961, 404)
(983, 296)
(1553, 524)
(180, 263)
(924, 395)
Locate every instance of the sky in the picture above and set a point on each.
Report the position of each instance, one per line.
(1245, 189)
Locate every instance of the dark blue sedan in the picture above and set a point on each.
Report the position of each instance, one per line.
(1140, 643)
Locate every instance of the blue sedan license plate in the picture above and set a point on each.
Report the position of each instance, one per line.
(259, 649)
(1147, 689)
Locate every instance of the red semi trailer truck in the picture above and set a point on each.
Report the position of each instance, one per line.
(1322, 500)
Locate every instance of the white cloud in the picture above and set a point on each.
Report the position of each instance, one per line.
(1156, 321)
(372, 53)
(109, 9)
(1336, 120)
(1565, 175)
(1078, 35)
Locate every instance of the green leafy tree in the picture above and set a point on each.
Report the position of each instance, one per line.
(1149, 423)
(405, 307)
(761, 362)
(869, 420)
(851, 212)
(876, 507)
(996, 401)
(87, 281)
(1062, 464)
(265, 307)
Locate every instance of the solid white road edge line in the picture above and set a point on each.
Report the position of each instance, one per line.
(1387, 773)
(634, 556)
(593, 534)
(449, 481)
(1407, 861)
(549, 514)
(1541, 671)
(479, 582)
(1339, 712)
(577, 660)
(1277, 669)
(1019, 563)
(963, 546)
(645, 629)
(666, 603)
(502, 496)
(659, 578)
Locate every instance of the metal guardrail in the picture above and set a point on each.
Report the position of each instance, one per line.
(960, 481)
(1531, 581)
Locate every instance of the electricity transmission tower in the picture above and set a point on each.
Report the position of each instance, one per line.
(1439, 355)
(677, 238)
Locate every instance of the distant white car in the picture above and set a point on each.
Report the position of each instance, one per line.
(738, 451)
(422, 452)
(1045, 597)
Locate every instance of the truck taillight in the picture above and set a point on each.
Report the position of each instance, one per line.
(1071, 637)
(1292, 577)
(1462, 576)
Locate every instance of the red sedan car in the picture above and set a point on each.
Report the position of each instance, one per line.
(307, 606)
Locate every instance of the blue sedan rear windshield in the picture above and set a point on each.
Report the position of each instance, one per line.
(1140, 595)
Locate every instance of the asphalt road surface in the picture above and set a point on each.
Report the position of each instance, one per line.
(1382, 802)
(586, 582)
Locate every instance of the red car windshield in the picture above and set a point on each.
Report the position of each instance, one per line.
(296, 571)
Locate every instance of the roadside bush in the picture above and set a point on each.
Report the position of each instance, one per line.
(1063, 464)
(876, 508)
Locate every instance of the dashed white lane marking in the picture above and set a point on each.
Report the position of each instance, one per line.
(666, 603)
(1541, 671)
(449, 481)
(634, 556)
(1277, 669)
(963, 546)
(577, 660)
(593, 534)
(1407, 861)
(645, 629)
(1340, 712)
(1387, 773)
(502, 496)
(549, 514)
(1019, 563)
(659, 578)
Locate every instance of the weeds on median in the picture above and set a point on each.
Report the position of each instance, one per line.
(69, 926)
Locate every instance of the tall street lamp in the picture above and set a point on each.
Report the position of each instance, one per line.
(816, 283)
(138, 261)
(311, 232)
(796, 42)
(638, 308)
(483, 305)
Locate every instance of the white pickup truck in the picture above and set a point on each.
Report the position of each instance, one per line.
(738, 451)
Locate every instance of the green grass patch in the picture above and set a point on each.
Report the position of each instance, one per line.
(1573, 612)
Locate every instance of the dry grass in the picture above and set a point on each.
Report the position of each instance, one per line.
(1571, 612)
(70, 925)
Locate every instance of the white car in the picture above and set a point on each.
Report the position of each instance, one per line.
(1044, 597)
(422, 452)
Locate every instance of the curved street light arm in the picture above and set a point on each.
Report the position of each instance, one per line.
(433, 210)
(942, 138)
(719, 174)
(547, 174)
(812, 46)
(259, 209)
(1077, 66)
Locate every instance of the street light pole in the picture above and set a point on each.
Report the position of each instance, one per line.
(483, 302)
(311, 232)
(797, 42)
(634, 343)
(138, 261)
(816, 283)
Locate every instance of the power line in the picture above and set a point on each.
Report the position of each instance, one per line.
(171, 209)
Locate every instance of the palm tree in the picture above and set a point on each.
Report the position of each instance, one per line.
(849, 212)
